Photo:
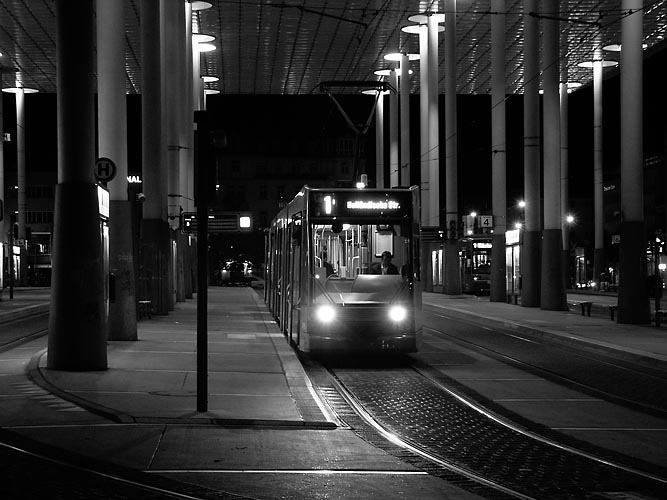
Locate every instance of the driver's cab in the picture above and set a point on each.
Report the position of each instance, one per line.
(360, 263)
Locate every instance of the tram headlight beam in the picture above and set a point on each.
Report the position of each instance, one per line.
(398, 313)
(325, 313)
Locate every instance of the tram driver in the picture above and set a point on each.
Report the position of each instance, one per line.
(385, 266)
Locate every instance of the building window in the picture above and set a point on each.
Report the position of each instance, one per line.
(45, 217)
(39, 191)
(345, 146)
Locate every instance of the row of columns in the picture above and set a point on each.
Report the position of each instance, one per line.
(545, 240)
(78, 319)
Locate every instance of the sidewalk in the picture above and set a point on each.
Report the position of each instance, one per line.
(640, 343)
(253, 375)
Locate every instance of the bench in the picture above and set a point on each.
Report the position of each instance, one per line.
(585, 307)
(145, 308)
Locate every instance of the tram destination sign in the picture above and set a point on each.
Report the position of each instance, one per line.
(361, 203)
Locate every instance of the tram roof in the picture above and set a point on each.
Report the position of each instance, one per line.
(281, 48)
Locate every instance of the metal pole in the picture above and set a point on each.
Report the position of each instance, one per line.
(202, 164)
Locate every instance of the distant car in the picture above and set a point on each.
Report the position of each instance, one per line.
(235, 273)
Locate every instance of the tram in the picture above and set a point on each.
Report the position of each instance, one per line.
(328, 284)
(475, 263)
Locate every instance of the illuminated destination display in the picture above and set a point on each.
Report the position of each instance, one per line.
(373, 205)
(352, 203)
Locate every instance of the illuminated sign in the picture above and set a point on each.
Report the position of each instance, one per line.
(373, 205)
(479, 244)
(103, 201)
(360, 204)
(133, 179)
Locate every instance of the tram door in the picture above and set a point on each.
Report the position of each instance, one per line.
(297, 235)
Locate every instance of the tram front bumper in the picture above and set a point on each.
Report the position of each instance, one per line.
(388, 327)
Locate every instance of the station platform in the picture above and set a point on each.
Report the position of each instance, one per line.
(141, 413)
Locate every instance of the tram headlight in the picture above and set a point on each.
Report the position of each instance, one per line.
(325, 313)
(398, 313)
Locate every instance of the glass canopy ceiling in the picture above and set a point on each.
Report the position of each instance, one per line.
(289, 47)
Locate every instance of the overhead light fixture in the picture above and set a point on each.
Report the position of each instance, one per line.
(202, 38)
(211, 91)
(206, 47)
(591, 64)
(413, 29)
(200, 5)
(616, 47)
(387, 72)
(16, 90)
(210, 78)
(397, 56)
(422, 17)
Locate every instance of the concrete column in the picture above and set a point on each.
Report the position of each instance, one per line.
(532, 236)
(599, 263)
(155, 245)
(564, 174)
(394, 142)
(564, 158)
(553, 296)
(77, 339)
(498, 292)
(379, 142)
(5, 213)
(188, 110)
(405, 120)
(174, 88)
(633, 303)
(112, 133)
(197, 82)
(452, 274)
(22, 203)
(433, 147)
(423, 126)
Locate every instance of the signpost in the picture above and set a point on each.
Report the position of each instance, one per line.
(105, 169)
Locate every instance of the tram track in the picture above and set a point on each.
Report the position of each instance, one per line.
(453, 437)
(618, 381)
(67, 477)
(17, 332)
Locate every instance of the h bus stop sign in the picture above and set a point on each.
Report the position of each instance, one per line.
(105, 169)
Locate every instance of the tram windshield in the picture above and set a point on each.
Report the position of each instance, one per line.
(357, 263)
